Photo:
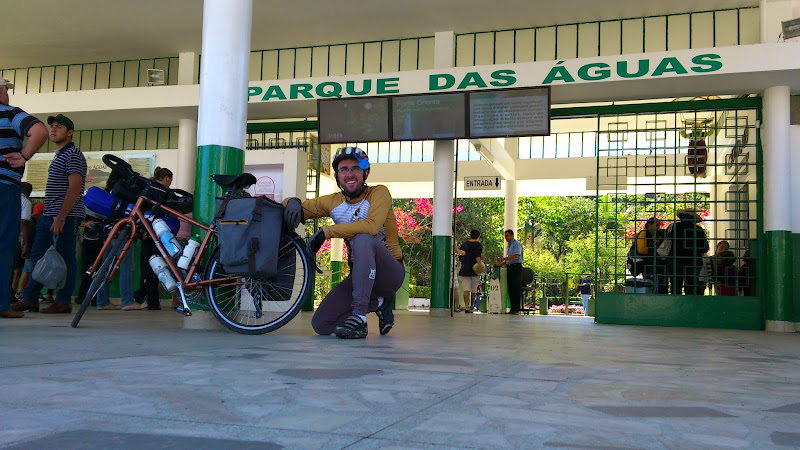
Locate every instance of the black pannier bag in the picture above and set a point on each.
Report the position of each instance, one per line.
(249, 231)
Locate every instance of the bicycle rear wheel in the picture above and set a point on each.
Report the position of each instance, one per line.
(99, 277)
(256, 306)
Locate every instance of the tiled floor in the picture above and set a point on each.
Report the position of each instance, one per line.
(138, 380)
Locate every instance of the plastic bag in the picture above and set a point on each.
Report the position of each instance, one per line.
(51, 270)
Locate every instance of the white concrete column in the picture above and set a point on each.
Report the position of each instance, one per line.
(187, 67)
(187, 154)
(224, 73)
(443, 187)
(778, 291)
(222, 112)
(510, 206)
(443, 151)
(777, 169)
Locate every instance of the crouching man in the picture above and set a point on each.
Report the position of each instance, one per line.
(364, 217)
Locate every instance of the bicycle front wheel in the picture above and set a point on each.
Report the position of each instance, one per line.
(100, 277)
(256, 306)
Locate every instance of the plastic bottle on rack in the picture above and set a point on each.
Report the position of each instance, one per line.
(161, 270)
(166, 237)
(188, 254)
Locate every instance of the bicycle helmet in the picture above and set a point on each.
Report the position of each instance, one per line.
(351, 153)
(356, 154)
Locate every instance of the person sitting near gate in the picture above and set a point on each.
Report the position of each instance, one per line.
(725, 273)
(647, 242)
(364, 217)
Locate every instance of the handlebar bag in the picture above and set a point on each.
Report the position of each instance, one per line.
(99, 201)
(249, 231)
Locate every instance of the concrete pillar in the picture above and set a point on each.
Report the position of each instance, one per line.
(187, 67)
(510, 206)
(794, 138)
(777, 210)
(443, 158)
(443, 154)
(187, 154)
(222, 114)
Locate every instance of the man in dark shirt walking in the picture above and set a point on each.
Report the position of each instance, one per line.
(15, 126)
(63, 212)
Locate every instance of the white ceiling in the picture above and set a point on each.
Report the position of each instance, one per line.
(49, 32)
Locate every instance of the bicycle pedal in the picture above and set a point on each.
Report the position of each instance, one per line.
(181, 310)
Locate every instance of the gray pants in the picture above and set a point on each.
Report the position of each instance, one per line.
(375, 273)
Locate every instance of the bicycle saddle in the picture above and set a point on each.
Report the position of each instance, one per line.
(242, 181)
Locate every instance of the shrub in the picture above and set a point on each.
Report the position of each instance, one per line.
(415, 291)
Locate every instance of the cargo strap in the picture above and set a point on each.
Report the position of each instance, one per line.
(255, 243)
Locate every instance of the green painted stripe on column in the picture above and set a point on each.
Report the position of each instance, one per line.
(796, 274)
(779, 272)
(440, 272)
(213, 159)
(336, 273)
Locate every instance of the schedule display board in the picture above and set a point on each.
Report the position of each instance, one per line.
(445, 116)
(343, 121)
(429, 116)
(509, 112)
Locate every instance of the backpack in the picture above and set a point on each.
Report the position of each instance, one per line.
(249, 231)
(665, 249)
(635, 262)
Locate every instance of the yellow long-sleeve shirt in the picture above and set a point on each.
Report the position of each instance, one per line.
(371, 213)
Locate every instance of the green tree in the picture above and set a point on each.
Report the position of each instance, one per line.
(560, 219)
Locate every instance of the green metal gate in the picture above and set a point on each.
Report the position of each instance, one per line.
(679, 214)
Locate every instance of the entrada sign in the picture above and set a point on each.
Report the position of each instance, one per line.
(483, 77)
(481, 183)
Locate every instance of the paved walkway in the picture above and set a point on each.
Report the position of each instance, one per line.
(137, 380)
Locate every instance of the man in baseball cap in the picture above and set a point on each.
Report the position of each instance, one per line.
(63, 120)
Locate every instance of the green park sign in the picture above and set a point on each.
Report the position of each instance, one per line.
(657, 65)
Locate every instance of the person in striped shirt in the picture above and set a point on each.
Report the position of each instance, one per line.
(15, 126)
(63, 212)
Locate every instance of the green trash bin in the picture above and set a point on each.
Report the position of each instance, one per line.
(590, 307)
(543, 305)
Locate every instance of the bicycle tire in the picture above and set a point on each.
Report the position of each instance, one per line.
(100, 276)
(283, 295)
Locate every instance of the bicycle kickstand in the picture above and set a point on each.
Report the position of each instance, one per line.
(185, 310)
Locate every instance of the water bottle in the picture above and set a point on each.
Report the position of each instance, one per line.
(188, 254)
(166, 237)
(161, 270)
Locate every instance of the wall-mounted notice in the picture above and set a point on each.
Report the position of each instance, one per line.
(353, 120)
(509, 112)
(433, 116)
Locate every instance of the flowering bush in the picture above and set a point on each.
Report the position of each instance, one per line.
(559, 309)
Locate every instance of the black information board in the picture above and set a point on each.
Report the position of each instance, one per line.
(509, 112)
(350, 120)
(429, 116)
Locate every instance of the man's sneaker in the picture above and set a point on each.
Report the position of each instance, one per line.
(352, 328)
(385, 317)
